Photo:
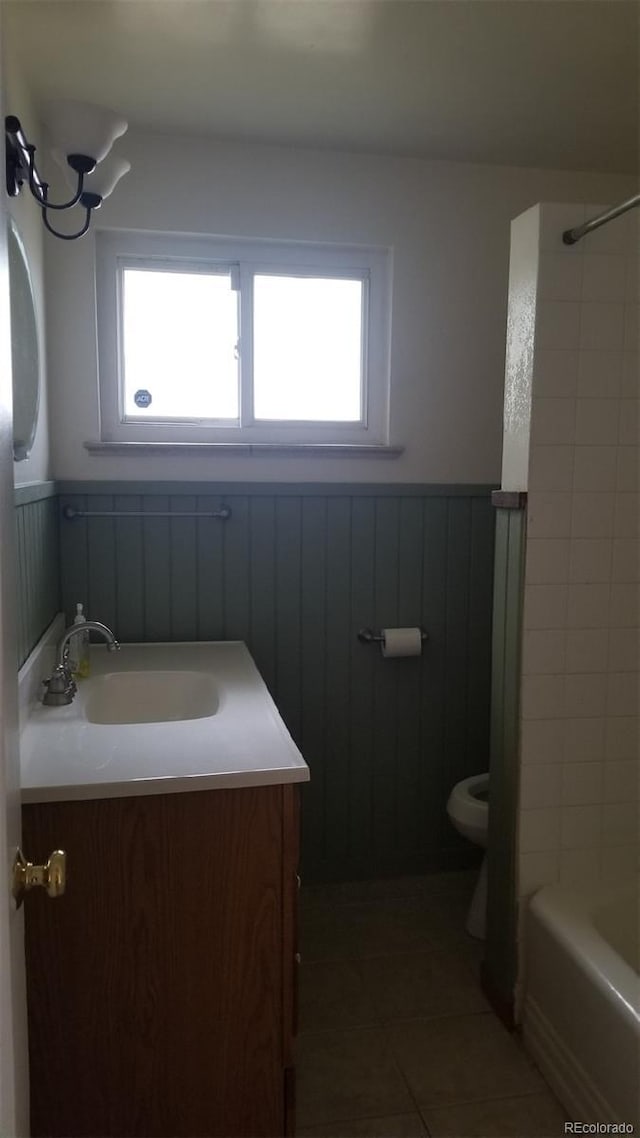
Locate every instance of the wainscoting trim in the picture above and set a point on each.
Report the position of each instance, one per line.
(33, 492)
(282, 489)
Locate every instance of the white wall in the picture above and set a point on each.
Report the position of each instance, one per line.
(524, 263)
(448, 225)
(25, 213)
(580, 759)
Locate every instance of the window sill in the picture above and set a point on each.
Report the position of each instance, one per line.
(293, 450)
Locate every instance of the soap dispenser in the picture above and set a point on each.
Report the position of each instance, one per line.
(79, 647)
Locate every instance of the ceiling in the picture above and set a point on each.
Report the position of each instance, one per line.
(550, 83)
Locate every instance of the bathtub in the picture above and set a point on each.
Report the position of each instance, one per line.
(581, 1008)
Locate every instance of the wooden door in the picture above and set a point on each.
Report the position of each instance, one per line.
(13, 1048)
(155, 985)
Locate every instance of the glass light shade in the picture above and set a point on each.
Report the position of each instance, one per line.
(81, 128)
(107, 175)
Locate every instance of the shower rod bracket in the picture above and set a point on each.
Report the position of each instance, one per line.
(572, 236)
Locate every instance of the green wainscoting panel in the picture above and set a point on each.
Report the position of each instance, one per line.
(295, 572)
(38, 572)
(500, 947)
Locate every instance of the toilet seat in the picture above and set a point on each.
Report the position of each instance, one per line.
(468, 812)
(464, 803)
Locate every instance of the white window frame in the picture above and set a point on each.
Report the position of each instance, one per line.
(118, 250)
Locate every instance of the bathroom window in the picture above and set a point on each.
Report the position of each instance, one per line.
(203, 340)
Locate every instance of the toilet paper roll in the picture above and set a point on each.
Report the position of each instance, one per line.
(401, 642)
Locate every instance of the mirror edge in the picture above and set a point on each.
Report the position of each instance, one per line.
(23, 451)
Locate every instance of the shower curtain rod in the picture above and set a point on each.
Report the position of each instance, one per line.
(571, 236)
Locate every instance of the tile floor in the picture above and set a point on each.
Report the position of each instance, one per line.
(396, 1039)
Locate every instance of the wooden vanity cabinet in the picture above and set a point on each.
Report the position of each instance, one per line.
(160, 987)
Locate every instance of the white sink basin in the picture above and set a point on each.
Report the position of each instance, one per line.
(156, 719)
(150, 697)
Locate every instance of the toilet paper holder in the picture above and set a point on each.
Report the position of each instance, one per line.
(368, 636)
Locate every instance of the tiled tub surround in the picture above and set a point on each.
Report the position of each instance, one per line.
(580, 767)
(295, 573)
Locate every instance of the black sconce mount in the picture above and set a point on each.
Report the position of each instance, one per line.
(21, 168)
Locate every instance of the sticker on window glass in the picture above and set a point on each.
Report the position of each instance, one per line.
(142, 398)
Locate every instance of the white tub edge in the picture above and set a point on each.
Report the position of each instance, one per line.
(569, 915)
(561, 1069)
(581, 1014)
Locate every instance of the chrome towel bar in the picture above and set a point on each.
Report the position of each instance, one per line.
(70, 513)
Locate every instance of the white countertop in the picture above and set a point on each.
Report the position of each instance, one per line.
(245, 743)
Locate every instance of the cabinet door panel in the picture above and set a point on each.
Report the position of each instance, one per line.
(155, 985)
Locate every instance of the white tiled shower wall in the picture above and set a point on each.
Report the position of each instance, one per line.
(580, 762)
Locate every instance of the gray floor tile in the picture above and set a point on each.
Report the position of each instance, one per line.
(531, 1116)
(398, 951)
(397, 1126)
(348, 1074)
(446, 918)
(462, 1059)
(401, 925)
(471, 952)
(333, 994)
(355, 892)
(453, 882)
(327, 932)
(415, 984)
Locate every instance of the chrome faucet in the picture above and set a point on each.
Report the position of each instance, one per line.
(61, 686)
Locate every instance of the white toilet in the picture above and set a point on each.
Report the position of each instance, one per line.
(468, 809)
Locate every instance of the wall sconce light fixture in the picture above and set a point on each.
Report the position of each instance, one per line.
(81, 137)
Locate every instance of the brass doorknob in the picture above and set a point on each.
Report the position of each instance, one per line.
(51, 876)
